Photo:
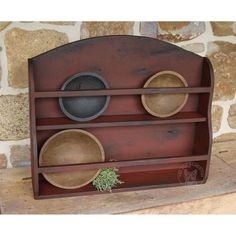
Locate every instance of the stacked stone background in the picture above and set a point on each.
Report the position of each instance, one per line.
(22, 40)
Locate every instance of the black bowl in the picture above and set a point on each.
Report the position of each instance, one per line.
(84, 108)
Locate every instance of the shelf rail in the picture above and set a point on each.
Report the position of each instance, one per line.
(118, 121)
(120, 92)
(119, 164)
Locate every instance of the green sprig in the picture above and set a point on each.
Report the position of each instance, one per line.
(106, 180)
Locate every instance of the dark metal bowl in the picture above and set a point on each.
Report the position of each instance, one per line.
(84, 108)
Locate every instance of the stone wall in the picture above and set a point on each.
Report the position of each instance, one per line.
(21, 40)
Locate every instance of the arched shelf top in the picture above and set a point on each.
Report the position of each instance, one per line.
(155, 46)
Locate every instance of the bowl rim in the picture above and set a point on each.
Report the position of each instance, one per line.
(93, 137)
(143, 96)
(76, 118)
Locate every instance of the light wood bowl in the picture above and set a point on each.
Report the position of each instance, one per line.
(164, 105)
(72, 146)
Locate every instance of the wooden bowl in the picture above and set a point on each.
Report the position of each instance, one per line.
(72, 146)
(164, 105)
(84, 108)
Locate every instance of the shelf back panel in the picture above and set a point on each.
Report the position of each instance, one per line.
(140, 142)
(118, 105)
(124, 61)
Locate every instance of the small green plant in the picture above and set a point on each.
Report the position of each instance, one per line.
(107, 179)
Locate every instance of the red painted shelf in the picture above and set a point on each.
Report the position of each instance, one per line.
(148, 151)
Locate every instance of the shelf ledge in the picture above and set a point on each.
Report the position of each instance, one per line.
(118, 120)
(118, 164)
(119, 92)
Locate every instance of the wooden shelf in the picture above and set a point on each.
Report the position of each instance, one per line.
(149, 151)
(120, 92)
(117, 120)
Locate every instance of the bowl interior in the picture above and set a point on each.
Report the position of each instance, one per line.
(84, 108)
(164, 105)
(71, 147)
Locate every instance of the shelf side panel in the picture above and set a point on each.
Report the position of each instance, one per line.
(203, 141)
(33, 132)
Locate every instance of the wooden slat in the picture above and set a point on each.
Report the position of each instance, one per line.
(118, 164)
(45, 194)
(119, 92)
(118, 120)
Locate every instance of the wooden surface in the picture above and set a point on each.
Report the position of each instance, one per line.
(222, 204)
(16, 196)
